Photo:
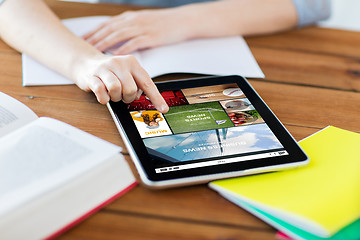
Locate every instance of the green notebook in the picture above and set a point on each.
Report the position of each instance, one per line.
(349, 232)
(319, 201)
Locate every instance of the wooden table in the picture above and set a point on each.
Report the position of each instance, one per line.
(312, 81)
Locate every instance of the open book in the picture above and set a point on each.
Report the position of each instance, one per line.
(216, 56)
(52, 175)
(318, 202)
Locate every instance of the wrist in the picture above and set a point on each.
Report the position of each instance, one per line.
(83, 64)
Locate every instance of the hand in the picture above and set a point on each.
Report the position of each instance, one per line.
(117, 78)
(140, 30)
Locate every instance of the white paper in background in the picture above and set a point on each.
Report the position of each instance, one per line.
(345, 15)
(217, 56)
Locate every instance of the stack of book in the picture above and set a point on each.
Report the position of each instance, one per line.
(320, 201)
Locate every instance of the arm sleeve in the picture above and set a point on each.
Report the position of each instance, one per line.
(311, 11)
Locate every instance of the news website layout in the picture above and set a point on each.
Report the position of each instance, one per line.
(203, 127)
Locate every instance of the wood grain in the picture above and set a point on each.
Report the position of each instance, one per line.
(312, 81)
(309, 68)
(117, 225)
(314, 40)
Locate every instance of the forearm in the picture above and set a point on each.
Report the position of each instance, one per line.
(30, 27)
(238, 17)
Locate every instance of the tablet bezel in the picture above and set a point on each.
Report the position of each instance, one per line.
(143, 161)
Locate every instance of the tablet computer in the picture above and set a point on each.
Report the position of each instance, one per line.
(216, 127)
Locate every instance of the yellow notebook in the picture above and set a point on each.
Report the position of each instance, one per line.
(321, 198)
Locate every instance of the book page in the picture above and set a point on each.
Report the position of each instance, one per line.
(42, 156)
(13, 114)
(217, 56)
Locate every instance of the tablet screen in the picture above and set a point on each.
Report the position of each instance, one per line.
(205, 126)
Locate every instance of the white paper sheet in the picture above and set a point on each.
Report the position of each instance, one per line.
(217, 56)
